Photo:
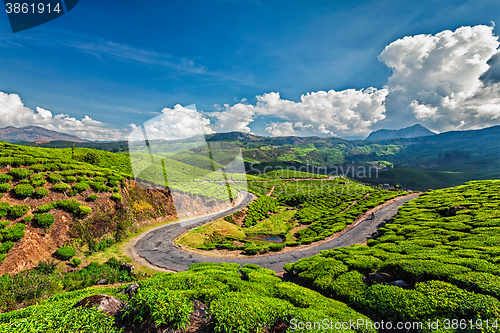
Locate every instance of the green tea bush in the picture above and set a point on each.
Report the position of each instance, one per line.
(28, 219)
(70, 179)
(24, 190)
(65, 252)
(6, 246)
(61, 187)
(92, 197)
(3, 224)
(260, 209)
(117, 197)
(38, 183)
(14, 232)
(76, 262)
(18, 210)
(81, 186)
(47, 207)
(45, 220)
(5, 178)
(4, 187)
(55, 178)
(41, 192)
(21, 173)
(84, 210)
(4, 209)
(164, 307)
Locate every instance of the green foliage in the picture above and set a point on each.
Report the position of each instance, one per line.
(117, 197)
(28, 219)
(21, 173)
(4, 187)
(76, 262)
(13, 233)
(84, 210)
(18, 210)
(81, 186)
(260, 209)
(4, 209)
(6, 246)
(41, 192)
(92, 197)
(24, 190)
(164, 307)
(45, 220)
(65, 252)
(61, 187)
(47, 207)
(46, 267)
(5, 178)
(55, 178)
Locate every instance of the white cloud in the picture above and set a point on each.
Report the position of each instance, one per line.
(14, 113)
(177, 123)
(281, 129)
(329, 113)
(437, 79)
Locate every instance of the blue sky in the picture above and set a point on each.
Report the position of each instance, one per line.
(123, 62)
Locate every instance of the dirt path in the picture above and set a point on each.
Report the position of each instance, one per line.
(157, 249)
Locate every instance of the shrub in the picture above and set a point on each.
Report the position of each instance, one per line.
(46, 267)
(14, 232)
(46, 208)
(55, 178)
(6, 246)
(5, 178)
(276, 247)
(251, 250)
(164, 306)
(61, 187)
(3, 224)
(45, 220)
(81, 186)
(70, 179)
(38, 183)
(28, 219)
(21, 173)
(41, 192)
(24, 190)
(84, 210)
(117, 197)
(4, 187)
(92, 197)
(18, 210)
(75, 262)
(65, 252)
(4, 209)
(71, 206)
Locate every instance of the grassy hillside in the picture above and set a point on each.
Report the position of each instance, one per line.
(80, 200)
(436, 263)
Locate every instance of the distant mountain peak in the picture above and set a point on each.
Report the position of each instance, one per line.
(34, 133)
(407, 132)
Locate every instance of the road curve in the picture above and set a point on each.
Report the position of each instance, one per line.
(156, 246)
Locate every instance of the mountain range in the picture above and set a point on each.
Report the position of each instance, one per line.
(34, 134)
(408, 132)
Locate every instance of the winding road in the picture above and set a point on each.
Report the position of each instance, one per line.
(157, 248)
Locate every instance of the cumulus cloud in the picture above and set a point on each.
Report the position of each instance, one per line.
(14, 113)
(177, 123)
(445, 81)
(327, 113)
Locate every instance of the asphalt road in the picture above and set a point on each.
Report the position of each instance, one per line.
(156, 246)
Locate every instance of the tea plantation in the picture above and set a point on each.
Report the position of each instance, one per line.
(438, 258)
(299, 208)
(240, 299)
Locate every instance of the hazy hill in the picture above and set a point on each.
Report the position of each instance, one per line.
(408, 132)
(34, 134)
